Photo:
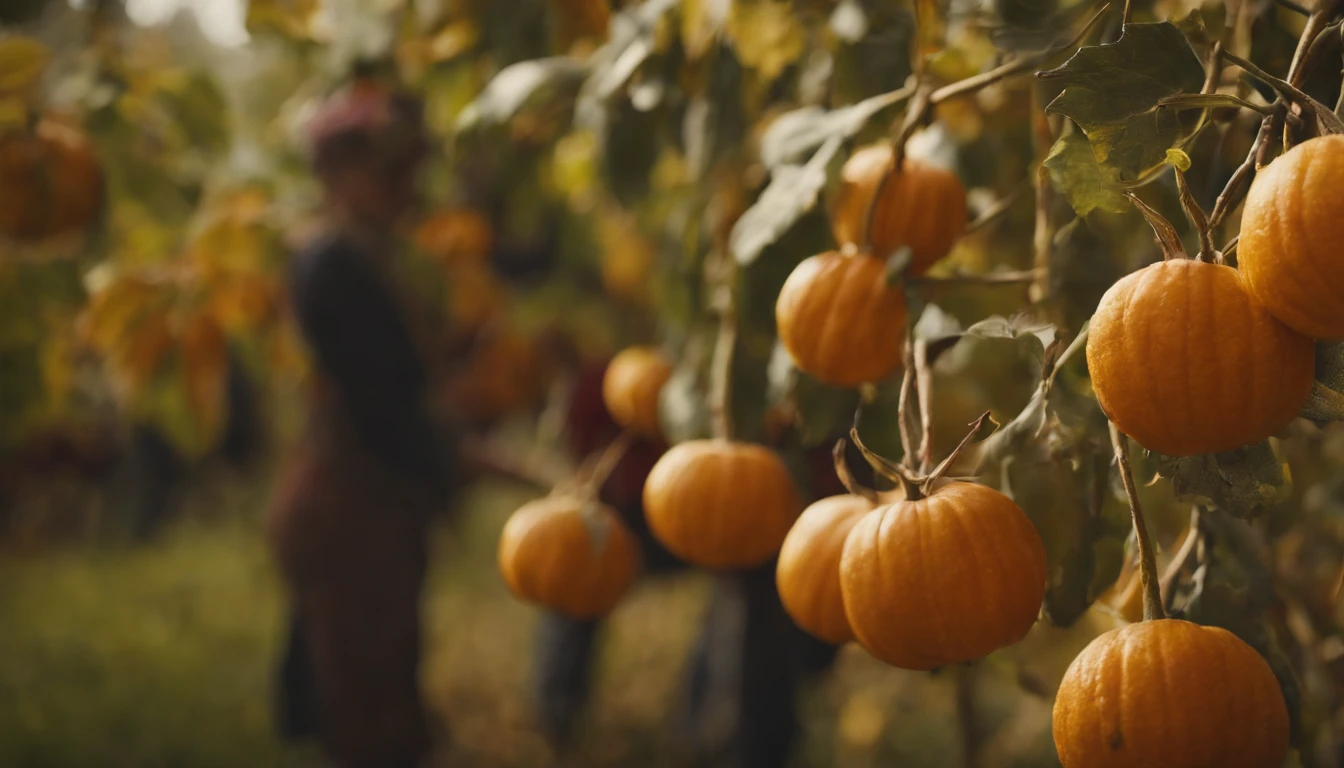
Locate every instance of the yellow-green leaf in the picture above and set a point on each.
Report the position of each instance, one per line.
(22, 62)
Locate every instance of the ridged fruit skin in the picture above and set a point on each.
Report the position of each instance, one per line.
(923, 207)
(720, 503)
(1173, 694)
(840, 320)
(1291, 248)
(51, 182)
(945, 579)
(547, 556)
(808, 572)
(630, 388)
(1183, 360)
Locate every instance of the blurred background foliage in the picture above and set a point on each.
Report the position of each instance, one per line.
(608, 173)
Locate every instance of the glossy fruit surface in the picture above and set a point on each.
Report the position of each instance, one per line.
(840, 320)
(51, 182)
(630, 389)
(573, 557)
(1183, 360)
(808, 572)
(1291, 248)
(923, 207)
(720, 503)
(1170, 693)
(944, 579)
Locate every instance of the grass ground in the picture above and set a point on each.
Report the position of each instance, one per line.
(161, 655)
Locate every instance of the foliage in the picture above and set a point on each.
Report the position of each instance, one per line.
(654, 170)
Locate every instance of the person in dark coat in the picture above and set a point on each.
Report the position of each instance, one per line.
(349, 520)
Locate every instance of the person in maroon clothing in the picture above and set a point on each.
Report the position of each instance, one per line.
(349, 519)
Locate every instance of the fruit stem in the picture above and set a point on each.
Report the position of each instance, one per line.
(1197, 218)
(606, 463)
(885, 467)
(924, 392)
(721, 366)
(903, 414)
(847, 478)
(976, 427)
(1167, 238)
(1152, 591)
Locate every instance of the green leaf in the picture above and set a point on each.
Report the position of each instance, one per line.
(1326, 402)
(793, 191)
(1112, 92)
(1245, 482)
(1075, 173)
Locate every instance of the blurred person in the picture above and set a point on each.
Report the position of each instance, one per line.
(348, 524)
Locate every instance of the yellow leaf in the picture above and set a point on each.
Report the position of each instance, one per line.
(452, 41)
(205, 363)
(1179, 159)
(13, 112)
(766, 35)
(455, 235)
(22, 62)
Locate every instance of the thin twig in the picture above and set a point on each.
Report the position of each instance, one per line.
(1177, 563)
(972, 738)
(1015, 277)
(1000, 207)
(609, 460)
(1152, 589)
(1240, 183)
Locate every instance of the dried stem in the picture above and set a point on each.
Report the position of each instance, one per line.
(847, 478)
(897, 473)
(1015, 277)
(608, 461)
(924, 391)
(1152, 590)
(1240, 183)
(723, 375)
(1178, 560)
(1167, 238)
(1196, 216)
(908, 445)
(976, 427)
(999, 209)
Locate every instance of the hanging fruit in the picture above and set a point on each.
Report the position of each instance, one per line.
(1288, 251)
(808, 572)
(1171, 693)
(631, 386)
(1183, 360)
(922, 207)
(943, 579)
(840, 319)
(569, 554)
(721, 503)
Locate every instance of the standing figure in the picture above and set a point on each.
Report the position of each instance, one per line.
(348, 524)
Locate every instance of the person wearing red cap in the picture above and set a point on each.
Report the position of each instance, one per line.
(349, 520)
